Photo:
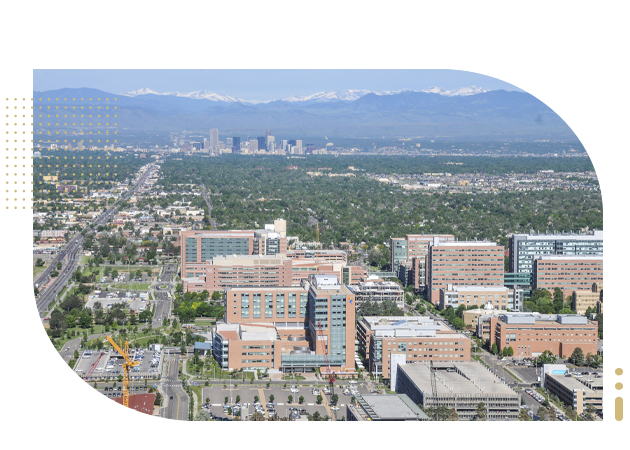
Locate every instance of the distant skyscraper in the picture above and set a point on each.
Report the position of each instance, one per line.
(268, 132)
(284, 145)
(262, 144)
(214, 138)
(292, 142)
(228, 142)
(196, 145)
(298, 147)
(236, 144)
(253, 145)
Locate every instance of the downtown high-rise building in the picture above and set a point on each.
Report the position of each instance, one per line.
(236, 144)
(262, 143)
(214, 138)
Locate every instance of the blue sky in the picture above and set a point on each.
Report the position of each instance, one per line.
(259, 84)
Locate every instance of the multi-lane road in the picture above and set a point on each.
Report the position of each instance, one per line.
(175, 398)
(69, 255)
(213, 224)
(163, 302)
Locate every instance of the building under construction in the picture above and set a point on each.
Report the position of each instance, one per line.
(461, 386)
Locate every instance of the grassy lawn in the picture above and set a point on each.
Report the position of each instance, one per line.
(478, 358)
(79, 333)
(129, 286)
(293, 378)
(37, 271)
(144, 341)
(204, 322)
(198, 390)
(85, 259)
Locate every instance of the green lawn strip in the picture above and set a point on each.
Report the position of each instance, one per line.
(127, 286)
(546, 395)
(204, 322)
(478, 358)
(37, 271)
(198, 390)
(514, 376)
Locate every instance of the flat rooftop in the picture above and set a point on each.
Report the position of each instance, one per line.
(248, 259)
(389, 407)
(572, 383)
(466, 244)
(466, 378)
(595, 235)
(477, 288)
(569, 257)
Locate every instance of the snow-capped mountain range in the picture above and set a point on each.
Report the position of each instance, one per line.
(347, 95)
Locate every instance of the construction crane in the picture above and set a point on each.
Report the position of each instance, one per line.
(127, 366)
(331, 374)
(434, 390)
(78, 392)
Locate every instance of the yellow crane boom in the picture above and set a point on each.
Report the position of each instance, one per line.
(128, 365)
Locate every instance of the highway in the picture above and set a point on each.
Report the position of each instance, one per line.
(213, 224)
(70, 254)
(163, 302)
(175, 398)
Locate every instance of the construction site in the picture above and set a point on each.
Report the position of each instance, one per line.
(460, 386)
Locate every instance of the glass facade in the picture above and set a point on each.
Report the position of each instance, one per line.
(303, 303)
(399, 252)
(245, 305)
(215, 246)
(292, 304)
(191, 249)
(523, 250)
(257, 305)
(268, 305)
(280, 304)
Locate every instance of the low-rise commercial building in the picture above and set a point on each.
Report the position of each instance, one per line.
(530, 334)
(383, 341)
(391, 407)
(460, 386)
(575, 392)
(592, 298)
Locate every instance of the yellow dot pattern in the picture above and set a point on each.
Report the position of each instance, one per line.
(17, 130)
(75, 123)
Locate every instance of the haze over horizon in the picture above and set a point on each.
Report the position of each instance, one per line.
(262, 85)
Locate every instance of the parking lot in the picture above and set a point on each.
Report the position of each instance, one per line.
(281, 407)
(110, 364)
(136, 301)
